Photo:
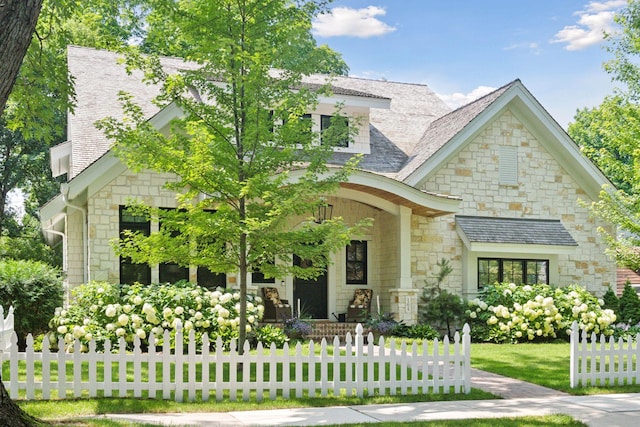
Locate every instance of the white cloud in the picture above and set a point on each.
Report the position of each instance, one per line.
(593, 22)
(458, 99)
(345, 21)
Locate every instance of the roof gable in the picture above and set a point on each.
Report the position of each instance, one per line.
(451, 133)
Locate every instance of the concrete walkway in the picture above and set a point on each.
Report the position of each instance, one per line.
(519, 399)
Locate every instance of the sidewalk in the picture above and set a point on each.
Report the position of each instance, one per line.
(519, 399)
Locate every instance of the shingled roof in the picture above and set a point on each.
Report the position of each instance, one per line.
(445, 128)
(514, 231)
(99, 77)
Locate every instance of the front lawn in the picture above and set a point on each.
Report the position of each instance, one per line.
(543, 364)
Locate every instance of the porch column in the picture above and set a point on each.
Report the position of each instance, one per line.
(404, 248)
(404, 298)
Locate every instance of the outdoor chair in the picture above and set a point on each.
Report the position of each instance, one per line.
(275, 309)
(360, 306)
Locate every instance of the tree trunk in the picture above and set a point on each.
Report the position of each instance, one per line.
(18, 20)
(11, 415)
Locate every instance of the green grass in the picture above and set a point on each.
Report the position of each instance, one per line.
(543, 364)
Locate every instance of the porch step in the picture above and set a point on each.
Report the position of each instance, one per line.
(328, 329)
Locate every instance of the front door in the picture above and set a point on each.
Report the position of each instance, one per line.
(312, 293)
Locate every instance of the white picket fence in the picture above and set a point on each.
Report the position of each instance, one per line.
(354, 369)
(598, 361)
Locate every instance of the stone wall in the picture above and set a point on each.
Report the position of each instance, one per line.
(544, 191)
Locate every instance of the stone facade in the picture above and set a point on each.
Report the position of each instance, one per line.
(544, 191)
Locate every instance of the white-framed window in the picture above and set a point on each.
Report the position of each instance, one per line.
(510, 270)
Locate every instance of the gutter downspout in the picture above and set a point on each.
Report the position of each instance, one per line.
(64, 190)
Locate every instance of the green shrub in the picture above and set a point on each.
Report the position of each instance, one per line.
(268, 334)
(439, 307)
(629, 306)
(510, 313)
(101, 311)
(419, 331)
(34, 289)
(611, 301)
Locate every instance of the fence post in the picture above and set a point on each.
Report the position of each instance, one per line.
(466, 348)
(573, 359)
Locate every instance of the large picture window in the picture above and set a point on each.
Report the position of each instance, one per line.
(518, 271)
(129, 272)
(357, 262)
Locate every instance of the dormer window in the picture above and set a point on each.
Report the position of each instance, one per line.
(335, 128)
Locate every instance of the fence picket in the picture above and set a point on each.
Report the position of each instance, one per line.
(152, 355)
(62, 371)
(191, 366)
(92, 367)
(108, 380)
(446, 384)
(30, 368)
(351, 369)
(46, 368)
(206, 381)
(76, 379)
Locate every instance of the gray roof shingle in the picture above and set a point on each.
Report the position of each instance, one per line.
(442, 130)
(514, 230)
(99, 76)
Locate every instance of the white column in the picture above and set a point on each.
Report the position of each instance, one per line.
(404, 298)
(404, 248)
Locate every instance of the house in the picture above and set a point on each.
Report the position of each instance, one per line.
(624, 276)
(493, 187)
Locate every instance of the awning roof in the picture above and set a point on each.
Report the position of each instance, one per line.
(513, 231)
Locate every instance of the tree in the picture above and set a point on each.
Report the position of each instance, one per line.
(35, 87)
(438, 306)
(629, 306)
(35, 116)
(18, 20)
(608, 135)
(625, 47)
(247, 148)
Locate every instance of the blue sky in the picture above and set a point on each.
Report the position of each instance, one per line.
(465, 48)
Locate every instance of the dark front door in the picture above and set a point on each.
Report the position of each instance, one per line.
(311, 293)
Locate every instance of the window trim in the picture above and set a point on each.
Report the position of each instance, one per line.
(363, 262)
(501, 261)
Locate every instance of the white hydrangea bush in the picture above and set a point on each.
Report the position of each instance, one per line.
(507, 312)
(102, 311)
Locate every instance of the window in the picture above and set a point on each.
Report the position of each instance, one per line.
(306, 129)
(129, 272)
(210, 280)
(205, 277)
(171, 272)
(257, 276)
(357, 262)
(518, 271)
(335, 129)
